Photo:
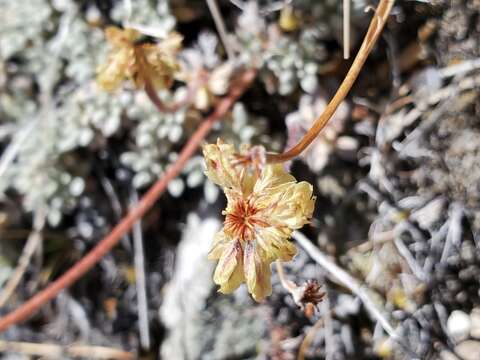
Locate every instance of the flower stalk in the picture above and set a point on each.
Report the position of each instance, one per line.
(374, 30)
(171, 108)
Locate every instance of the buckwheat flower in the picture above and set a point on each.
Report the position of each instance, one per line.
(137, 61)
(264, 205)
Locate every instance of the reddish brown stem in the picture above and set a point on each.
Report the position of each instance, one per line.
(125, 225)
(152, 92)
(169, 108)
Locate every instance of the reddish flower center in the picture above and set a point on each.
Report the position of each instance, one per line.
(241, 221)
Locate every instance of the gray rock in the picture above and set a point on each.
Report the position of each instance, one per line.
(202, 323)
(459, 325)
(468, 350)
(475, 320)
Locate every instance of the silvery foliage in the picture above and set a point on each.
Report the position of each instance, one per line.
(328, 16)
(295, 62)
(155, 134)
(58, 47)
(152, 17)
(55, 47)
(293, 58)
(153, 138)
(21, 23)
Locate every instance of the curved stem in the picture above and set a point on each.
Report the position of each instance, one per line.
(309, 336)
(152, 92)
(169, 108)
(287, 284)
(125, 225)
(33, 241)
(374, 31)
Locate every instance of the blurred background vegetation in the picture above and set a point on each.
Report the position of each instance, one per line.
(395, 173)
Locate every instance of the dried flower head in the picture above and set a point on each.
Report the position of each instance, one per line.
(308, 296)
(265, 204)
(137, 61)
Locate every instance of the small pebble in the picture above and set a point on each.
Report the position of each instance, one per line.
(459, 325)
(475, 321)
(447, 355)
(468, 350)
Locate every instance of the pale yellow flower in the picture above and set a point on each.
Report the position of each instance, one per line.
(131, 59)
(265, 204)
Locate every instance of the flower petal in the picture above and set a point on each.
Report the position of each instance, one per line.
(111, 74)
(160, 63)
(272, 176)
(220, 169)
(292, 206)
(220, 241)
(229, 260)
(274, 241)
(257, 272)
(234, 281)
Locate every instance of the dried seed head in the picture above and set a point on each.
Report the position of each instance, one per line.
(308, 296)
(131, 58)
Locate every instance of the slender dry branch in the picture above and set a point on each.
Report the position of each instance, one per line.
(10, 153)
(346, 29)
(152, 92)
(374, 31)
(140, 281)
(220, 25)
(307, 340)
(125, 225)
(31, 245)
(287, 284)
(354, 286)
(169, 108)
(54, 351)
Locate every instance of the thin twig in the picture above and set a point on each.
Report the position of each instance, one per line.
(287, 284)
(15, 146)
(274, 7)
(327, 316)
(454, 234)
(140, 283)
(168, 108)
(220, 25)
(374, 31)
(415, 268)
(116, 204)
(460, 69)
(54, 351)
(239, 4)
(309, 338)
(404, 251)
(147, 201)
(152, 92)
(354, 286)
(31, 245)
(346, 29)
